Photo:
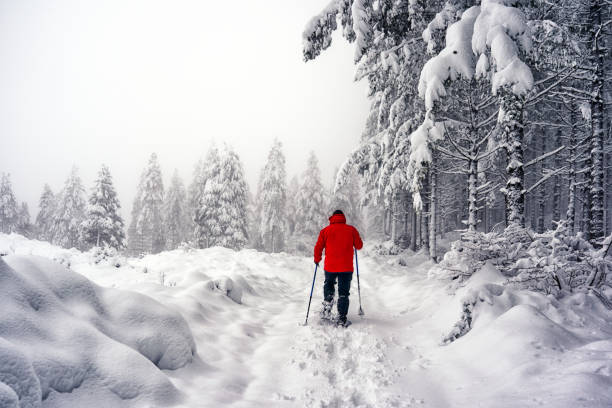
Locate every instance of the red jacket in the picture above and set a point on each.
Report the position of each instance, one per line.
(338, 239)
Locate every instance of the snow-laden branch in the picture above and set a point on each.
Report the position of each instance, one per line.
(545, 178)
(544, 156)
(535, 98)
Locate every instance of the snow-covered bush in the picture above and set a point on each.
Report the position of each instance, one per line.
(387, 248)
(106, 255)
(552, 262)
(229, 288)
(559, 261)
(475, 248)
(481, 294)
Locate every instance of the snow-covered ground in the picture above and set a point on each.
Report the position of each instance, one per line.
(80, 344)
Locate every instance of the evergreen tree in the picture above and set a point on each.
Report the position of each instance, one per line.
(69, 213)
(8, 206)
(233, 215)
(176, 213)
(196, 190)
(208, 230)
(146, 232)
(255, 209)
(347, 197)
(24, 225)
(44, 219)
(292, 204)
(103, 225)
(134, 243)
(311, 206)
(273, 200)
(222, 216)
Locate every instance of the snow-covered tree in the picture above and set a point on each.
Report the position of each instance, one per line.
(292, 204)
(46, 210)
(194, 195)
(24, 224)
(176, 213)
(486, 43)
(222, 215)
(389, 51)
(255, 207)
(103, 225)
(208, 225)
(146, 228)
(233, 199)
(273, 200)
(348, 199)
(70, 213)
(312, 211)
(8, 205)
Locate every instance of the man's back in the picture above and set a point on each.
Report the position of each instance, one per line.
(338, 239)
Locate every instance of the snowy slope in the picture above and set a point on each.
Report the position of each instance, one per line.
(245, 308)
(65, 340)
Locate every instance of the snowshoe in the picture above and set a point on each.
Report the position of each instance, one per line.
(342, 321)
(326, 311)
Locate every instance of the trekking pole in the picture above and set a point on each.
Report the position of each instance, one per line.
(358, 286)
(311, 289)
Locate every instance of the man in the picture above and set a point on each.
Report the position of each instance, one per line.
(338, 239)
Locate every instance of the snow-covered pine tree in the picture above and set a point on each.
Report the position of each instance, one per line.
(8, 205)
(208, 230)
(146, 232)
(70, 213)
(292, 195)
(103, 225)
(389, 50)
(233, 200)
(46, 210)
(255, 208)
(176, 213)
(273, 200)
(134, 240)
(311, 201)
(24, 225)
(347, 198)
(196, 190)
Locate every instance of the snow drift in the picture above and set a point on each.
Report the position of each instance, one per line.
(81, 345)
(60, 333)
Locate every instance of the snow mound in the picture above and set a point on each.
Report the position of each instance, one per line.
(60, 333)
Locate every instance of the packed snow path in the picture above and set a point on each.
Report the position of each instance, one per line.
(270, 359)
(246, 309)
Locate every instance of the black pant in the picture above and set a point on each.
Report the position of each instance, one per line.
(344, 287)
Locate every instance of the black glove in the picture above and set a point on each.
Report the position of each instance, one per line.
(316, 263)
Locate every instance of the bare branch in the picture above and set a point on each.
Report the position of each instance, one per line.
(544, 156)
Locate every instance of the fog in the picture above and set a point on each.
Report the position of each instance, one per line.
(89, 82)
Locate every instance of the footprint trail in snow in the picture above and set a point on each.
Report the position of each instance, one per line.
(345, 368)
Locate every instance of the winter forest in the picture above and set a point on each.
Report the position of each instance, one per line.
(479, 178)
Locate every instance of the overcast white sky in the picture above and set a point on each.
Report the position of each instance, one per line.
(92, 82)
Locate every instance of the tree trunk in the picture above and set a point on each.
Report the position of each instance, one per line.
(556, 205)
(425, 213)
(512, 125)
(413, 227)
(394, 205)
(386, 223)
(571, 195)
(596, 179)
(433, 181)
(541, 201)
(473, 194)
